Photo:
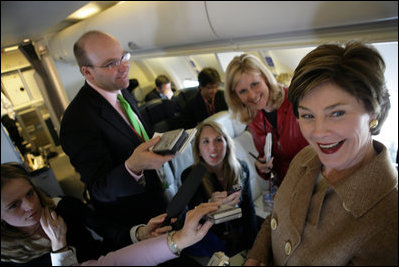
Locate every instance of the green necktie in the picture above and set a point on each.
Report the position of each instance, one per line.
(138, 127)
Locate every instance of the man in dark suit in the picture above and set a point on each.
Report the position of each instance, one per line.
(113, 159)
(208, 101)
(163, 89)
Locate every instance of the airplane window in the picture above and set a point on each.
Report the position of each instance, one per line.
(389, 131)
(190, 83)
(225, 58)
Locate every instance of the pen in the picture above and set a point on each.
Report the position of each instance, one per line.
(256, 158)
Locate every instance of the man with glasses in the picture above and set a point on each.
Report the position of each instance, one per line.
(208, 101)
(101, 140)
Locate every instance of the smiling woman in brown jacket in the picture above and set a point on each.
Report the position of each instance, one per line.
(338, 204)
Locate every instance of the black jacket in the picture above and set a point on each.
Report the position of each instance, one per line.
(195, 110)
(98, 141)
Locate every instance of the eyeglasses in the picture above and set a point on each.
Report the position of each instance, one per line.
(124, 60)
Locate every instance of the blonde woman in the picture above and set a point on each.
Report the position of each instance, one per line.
(254, 96)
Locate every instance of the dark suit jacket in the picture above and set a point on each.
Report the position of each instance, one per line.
(195, 110)
(98, 141)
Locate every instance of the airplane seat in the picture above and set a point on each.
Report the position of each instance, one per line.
(158, 110)
(244, 144)
(161, 126)
(184, 96)
(233, 126)
(145, 114)
(140, 103)
(182, 161)
(139, 94)
(172, 170)
(144, 91)
(169, 181)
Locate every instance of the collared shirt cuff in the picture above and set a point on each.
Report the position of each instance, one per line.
(133, 232)
(135, 176)
(65, 258)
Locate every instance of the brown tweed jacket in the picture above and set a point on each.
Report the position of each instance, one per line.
(351, 222)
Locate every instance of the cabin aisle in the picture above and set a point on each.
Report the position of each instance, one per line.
(66, 175)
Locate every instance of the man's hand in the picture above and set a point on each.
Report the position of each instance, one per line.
(232, 199)
(144, 159)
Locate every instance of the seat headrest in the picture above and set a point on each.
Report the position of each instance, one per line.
(233, 126)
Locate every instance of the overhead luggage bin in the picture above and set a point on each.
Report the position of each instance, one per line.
(141, 26)
(165, 28)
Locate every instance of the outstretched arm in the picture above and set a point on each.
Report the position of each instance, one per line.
(156, 250)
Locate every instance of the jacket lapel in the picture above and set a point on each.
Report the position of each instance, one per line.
(302, 195)
(110, 115)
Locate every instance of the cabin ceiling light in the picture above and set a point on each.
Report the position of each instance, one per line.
(84, 12)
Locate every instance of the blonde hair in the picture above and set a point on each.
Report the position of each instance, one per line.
(231, 165)
(18, 246)
(250, 64)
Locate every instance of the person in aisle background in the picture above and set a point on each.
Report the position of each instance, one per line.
(338, 204)
(9, 122)
(133, 84)
(208, 101)
(255, 97)
(163, 89)
(106, 145)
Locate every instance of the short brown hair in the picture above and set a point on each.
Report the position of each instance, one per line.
(161, 79)
(208, 76)
(355, 67)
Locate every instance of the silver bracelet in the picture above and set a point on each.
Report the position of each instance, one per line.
(64, 248)
(172, 246)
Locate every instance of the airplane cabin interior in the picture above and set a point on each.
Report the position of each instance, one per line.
(40, 76)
